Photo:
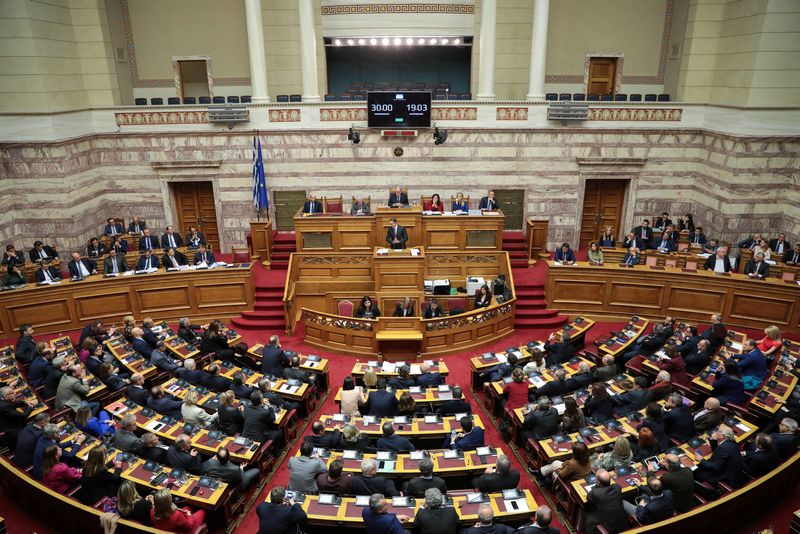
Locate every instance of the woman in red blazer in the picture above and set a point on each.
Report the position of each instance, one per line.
(517, 390)
(166, 516)
(436, 203)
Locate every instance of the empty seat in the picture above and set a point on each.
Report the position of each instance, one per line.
(140, 101)
(356, 86)
(219, 99)
(369, 86)
(579, 96)
(650, 97)
(233, 99)
(246, 99)
(420, 86)
(359, 96)
(346, 98)
(204, 100)
(440, 96)
(621, 97)
(593, 97)
(330, 97)
(295, 98)
(190, 100)
(565, 96)
(551, 96)
(663, 97)
(283, 98)
(465, 96)
(156, 101)
(173, 101)
(605, 98)
(636, 97)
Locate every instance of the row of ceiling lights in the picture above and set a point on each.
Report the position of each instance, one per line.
(398, 41)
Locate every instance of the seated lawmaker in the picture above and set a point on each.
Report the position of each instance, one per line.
(113, 227)
(489, 202)
(392, 442)
(667, 243)
(136, 226)
(725, 464)
(697, 237)
(14, 277)
(595, 255)
(188, 331)
(12, 257)
(398, 198)
(663, 221)
(312, 205)
(433, 310)
(460, 204)
(203, 255)
(719, 262)
(46, 273)
(404, 309)
(81, 268)
(779, 245)
(631, 241)
(147, 241)
(644, 234)
(147, 261)
(498, 478)
(435, 204)
(396, 235)
(483, 298)
(95, 249)
(174, 259)
(607, 238)
(632, 257)
(163, 403)
(686, 223)
(40, 252)
(470, 437)
(359, 207)
(118, 244)
(171, 238)
(565, 254)
(194, 238)
(792, 257)
(367, 309)
(757, 268)
(752, 363)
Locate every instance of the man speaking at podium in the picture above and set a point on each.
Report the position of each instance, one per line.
(396, 236)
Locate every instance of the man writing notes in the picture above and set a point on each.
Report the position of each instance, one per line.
(720, 262)
(359, 207)
(757, 267)
(203, 256)
(396, 236)
(312, 205)
(398, 198)
(46, 273)
(489, 202)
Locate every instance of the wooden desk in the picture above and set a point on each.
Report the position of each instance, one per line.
(612, 291)
(336, 232)
(399, 270)
(200, 294)
(388, 370)
(619, 344)
(22, 391)
(418, 430)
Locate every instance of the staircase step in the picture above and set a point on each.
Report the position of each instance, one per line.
(269, 292)
(275, 304)
(243, 322)
(519, 263)
(279, 265)
(279, 256)
(527, 313)
(263, 314)
(513, 235)
(548, 322)
(524, 292)
(517, 254)
(528, 303)
(287, 247)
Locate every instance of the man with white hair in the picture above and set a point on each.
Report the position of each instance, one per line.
(785, 441)
(582, 379)
(725, 464)
(606, 371)
(190, 372)
(486, 524)
(11, 420)
(367, 483)
(398, 198)
(378, 521)
(434, 517)
(427, 379)
(709, 417)
(757, 268)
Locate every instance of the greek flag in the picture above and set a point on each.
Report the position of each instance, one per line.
(260, 201)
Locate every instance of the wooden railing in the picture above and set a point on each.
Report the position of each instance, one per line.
(535, 239)
(261, 241)
(289, 304)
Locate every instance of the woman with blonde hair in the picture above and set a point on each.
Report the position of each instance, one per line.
(166, 516)
(352, 439)
(130, 504)
(128, 324)
(621, 455)
(370, 377)
(229, 417)
(772, 342)
(194, 414)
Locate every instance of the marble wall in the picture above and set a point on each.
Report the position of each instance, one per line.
(731, 185)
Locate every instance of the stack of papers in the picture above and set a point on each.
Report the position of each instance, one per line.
(516, 505)
(388, 367)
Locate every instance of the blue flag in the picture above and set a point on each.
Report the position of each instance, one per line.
(260, 200)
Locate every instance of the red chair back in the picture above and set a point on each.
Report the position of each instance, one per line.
(345, 308)
(335, 207)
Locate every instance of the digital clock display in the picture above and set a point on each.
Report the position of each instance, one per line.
(399, 109)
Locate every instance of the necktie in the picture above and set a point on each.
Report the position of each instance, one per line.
(82, 268)
(174, 261)
(779, 248)
(311, 207)
(46, 275)
(794, 260)
(149, 247)
(116, 266)
(171, 241)
(643, 233)
(43, 254)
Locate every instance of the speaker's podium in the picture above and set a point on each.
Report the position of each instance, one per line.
(399, 274)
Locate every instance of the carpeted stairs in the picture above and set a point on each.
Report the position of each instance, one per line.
(282, 247)
(514, 244)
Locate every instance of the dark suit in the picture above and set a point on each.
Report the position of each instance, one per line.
(681, 484)
(362, 485)
(166, 406)
(453, 407)
(760, 268)
(400, 234)
(630, 259)
(487, 203)
(579, 381)
(165, 241)
(74, 269)
(230, 420)
(759, 463)
(151, 240)
(554, 388)
(273, 360)
(430, 380)
(399, 311)
(25, 349)
(195, 241)
(784, 444)
(11, 420)
(493, 482)
(180, 258)
(565, 256)
(630, 401)
(558, 352)
(696, 361)
(95, 252)
(635, 242)
(184, 460)
(216, 383)
(395, 443)
(791, 256)
(147, 263)
(297, 374)
(138, 395)
(113, 229)
(667, 244)
(328, 440)
(658, 509)
(711, 261)
(416, 487)
(725, 465)
(207, 256)
(541, 424)
(108, 264)
(26, 444)
(39, 275)
(470, 441)
(47, 252)
(359, 207)
(442, 520)
(18, 259)
(280, 519)
(38, 371)
(381, 403)
(679, 423)
(259, 423)
(494, 528)
(142, 347)
(312, 207)
(708, 421)
(604, 507)
(773, 246)
(136, 228)
(394, 199)
(644, 235)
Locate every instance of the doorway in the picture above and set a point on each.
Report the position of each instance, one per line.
(194, 78)
(603, 202)
(512, 202)
(194, 206)
(602, 73)
(287, 204)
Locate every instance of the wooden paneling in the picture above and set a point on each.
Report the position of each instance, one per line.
(194, 206)
(536, 239)
(689, 296)
(602, 206)
(261, 240)
(201, 295)
(410, 218)
(512, 202)
(287, 203)
(601, 75)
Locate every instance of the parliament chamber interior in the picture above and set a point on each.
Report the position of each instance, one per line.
(399, 266)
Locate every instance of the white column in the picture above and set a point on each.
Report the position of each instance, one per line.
(308, 51)
(255, 46)
(486, 63)
(541, 14)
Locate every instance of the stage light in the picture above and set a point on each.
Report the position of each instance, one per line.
(421, 41)
(409, 41)
(456, 41)
(338, 42)
(439, 136)
(445, 40)
(362, 42)
(385, 41)
(373, 41)
(433, 41)
(350, 42)
(397, 41)
(355, 137)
